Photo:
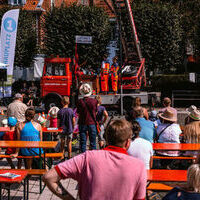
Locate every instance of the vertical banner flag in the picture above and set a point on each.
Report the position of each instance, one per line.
(7, 47)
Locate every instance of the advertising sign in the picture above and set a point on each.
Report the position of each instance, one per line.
(9, 25)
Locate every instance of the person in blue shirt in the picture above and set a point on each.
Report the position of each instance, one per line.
(148, 131)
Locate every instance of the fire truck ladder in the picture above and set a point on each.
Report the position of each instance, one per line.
(130, 43)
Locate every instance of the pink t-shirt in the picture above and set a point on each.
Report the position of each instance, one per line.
(106, 174)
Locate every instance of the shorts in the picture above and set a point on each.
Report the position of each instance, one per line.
(64, 135)
(101, 134)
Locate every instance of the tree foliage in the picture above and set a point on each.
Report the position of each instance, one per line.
(62, 24)
(160, 33)
(26, 37)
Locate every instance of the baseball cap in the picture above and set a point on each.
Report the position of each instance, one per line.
(12, 121)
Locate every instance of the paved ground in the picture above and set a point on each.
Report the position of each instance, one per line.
(17, 190)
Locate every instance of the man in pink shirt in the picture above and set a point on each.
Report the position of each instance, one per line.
(103, 174)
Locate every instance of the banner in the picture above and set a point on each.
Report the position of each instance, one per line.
(7, 47)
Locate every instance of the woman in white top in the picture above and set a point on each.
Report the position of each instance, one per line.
(141, 148)
(168, 132)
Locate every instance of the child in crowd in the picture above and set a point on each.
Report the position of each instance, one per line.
(66, 120)
(53, 119)
(11, 135)
(101, 117)
(141, 148)
(154, 118)
(53, 116)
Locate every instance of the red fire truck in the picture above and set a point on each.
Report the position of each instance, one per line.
(60, 77)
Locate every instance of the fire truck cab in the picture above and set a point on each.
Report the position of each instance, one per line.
(56, 81)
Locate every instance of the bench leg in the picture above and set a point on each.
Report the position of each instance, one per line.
(40, 184)
(25, 189)
(1, 192)
(9, 192)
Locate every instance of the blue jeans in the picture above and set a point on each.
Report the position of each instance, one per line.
(92, 131)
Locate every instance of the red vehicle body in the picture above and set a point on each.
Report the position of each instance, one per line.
(56, 81)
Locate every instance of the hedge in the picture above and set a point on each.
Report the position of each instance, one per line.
(63, 24)
(160, 34)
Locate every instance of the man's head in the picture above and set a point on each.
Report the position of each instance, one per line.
(85, 90)
(19, 97)
(138, 112)
(65, 100)
(166, 102)
(119, 133)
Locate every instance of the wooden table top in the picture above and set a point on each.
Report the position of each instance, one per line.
(4, 129)
(28, 144)
(51, 130)
(14, 180)
(176, 146)
(165, 175)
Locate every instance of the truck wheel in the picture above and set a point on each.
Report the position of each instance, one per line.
(50, 102)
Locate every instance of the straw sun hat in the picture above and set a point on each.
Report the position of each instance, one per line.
(193, 112)
(85, 90)
(168, 115)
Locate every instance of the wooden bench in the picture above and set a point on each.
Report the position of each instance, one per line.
(35, 172)
(47, 155)
(159, 187)
(175, 157)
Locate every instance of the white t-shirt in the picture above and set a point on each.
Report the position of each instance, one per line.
(169, 135)
(141, 149)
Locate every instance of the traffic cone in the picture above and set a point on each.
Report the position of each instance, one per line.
(2, 112)
(43, 115)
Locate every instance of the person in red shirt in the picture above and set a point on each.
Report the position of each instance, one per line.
(87, 110)
(11, 135)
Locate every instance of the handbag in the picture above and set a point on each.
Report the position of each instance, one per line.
(91, 114)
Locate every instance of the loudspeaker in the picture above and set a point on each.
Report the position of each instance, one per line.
(3, 74)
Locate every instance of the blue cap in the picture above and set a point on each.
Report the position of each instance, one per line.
(12, 121)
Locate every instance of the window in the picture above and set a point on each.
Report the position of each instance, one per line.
(55, 69)
(16, 2)
(83, 2)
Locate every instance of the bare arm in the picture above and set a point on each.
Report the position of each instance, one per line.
(52, 180)
(151, 162)
(40, 130)
(105, 114)
(18, 130)
(73, 122)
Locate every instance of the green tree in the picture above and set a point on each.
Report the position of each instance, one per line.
(62, 24)
(160, 33)
(26, 38)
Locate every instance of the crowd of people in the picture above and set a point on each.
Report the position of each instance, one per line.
(118, 169)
